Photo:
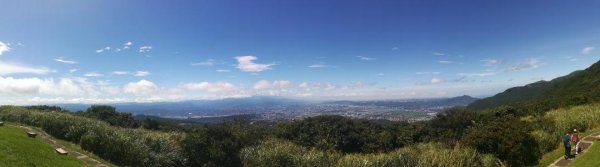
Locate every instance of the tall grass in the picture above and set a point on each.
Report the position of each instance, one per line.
(275, 152)
(126, 147)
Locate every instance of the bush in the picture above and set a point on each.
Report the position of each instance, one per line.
(279, 153)
(276, 152)
(126, 147)
(508, 138)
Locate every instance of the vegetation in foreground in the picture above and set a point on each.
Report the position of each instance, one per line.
(16, 149)
(503, 136)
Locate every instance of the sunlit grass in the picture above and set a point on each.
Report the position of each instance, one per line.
(590, 158)
(16, 149)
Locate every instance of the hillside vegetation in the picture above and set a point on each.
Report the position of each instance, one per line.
(579, 87)
(458, 137)
(16, 149)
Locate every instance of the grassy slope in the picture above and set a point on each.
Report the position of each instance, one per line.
(16, 149)
(585, 113)
(590, 158)
(75, 147)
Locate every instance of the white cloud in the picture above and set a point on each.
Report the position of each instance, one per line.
(222, 70)
(120, 72)
(365, 58)
(490, 62)
(62, 60)
(142, 87)
(438, 54)
(37, 86)
(216, 87)
(303, 85)
(264, 84)
(141, 73)
(317, 66)
(208, 62)
(144, 49)
(587, 50)
(73, 70)
(445, 62)
(11, 68)
(4, 47)
(529, 64)
(92, 74)
(128, 43)
(246, 64)
(281, 83)
(427, 73)
(477, 74)
(436, 80)
(103, 49)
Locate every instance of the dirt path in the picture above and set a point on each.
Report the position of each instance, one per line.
(584, 144)
(48, 139)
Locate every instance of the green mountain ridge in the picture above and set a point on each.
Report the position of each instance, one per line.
(579, 87)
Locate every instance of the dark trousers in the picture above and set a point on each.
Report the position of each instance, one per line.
(567, 151)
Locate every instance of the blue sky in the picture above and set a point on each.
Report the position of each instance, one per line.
(107, 51)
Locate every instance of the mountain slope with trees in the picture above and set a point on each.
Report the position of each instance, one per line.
(579, 87)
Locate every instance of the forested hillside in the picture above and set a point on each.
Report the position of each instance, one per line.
(579, 87)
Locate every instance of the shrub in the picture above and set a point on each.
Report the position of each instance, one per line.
(126, 147)
(275, 152)
(508, 138)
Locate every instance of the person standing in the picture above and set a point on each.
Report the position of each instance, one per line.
(567, 143)
(575, 139)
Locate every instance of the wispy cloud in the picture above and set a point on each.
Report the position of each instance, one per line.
(438, 54)
(425, 73)
(365, 58)
(73, 70)
(529, 64)
(246, 64)
(483, 74)
(445, 62)
(395, 48)
(208, 62)
(436, 80)
(587, 50)
(92, 74)
(491, 62)
(120, 72)
(4, 47)
(62, 60)
(13, 68)
(216, 87)
(141, 73)
(318, 66)
(126, 45)
(103, 49)
(223, 70)
(145, 49)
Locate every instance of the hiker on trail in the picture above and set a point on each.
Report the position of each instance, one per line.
(567, 143)
(575, 139)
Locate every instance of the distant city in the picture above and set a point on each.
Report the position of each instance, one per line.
(274, 109)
